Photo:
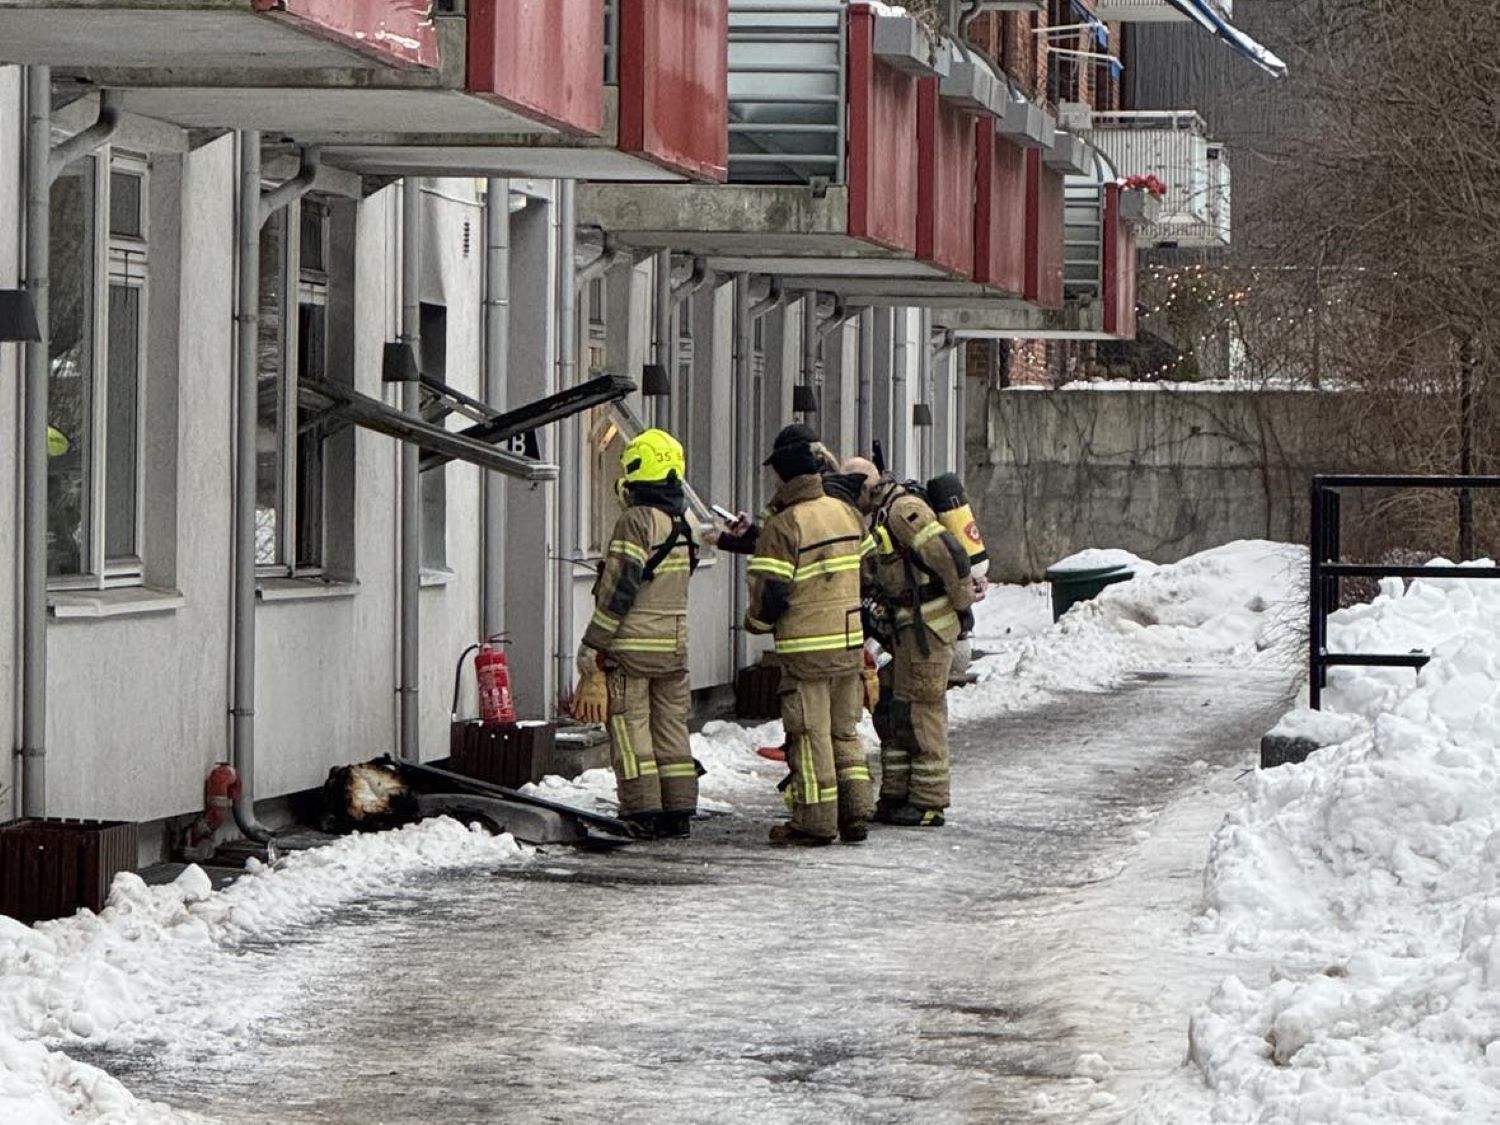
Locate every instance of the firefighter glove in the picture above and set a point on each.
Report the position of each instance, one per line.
(871, 680)
(591, 700)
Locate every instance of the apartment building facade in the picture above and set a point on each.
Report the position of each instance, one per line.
(245, 530)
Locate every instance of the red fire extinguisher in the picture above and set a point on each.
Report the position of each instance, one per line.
(492, 670)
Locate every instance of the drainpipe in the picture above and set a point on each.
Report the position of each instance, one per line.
(773, 298)
(864, 423)
(746, 313)
(34, 443)
(900, 408)
(662, 307)
(744, 347)
(570, 478)
(609, 253)
(252, 215)
(695, 281)
(810, 339)
(85, 142)
(43, 165)
(411, 497)
(926, 435)
(496, 351)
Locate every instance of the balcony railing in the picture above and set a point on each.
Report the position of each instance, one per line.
(787, 71)
(1083, 238)
(1173, 146)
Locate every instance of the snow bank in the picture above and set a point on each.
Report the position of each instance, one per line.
(1230, 604)
(1367, 876)
(157, 964)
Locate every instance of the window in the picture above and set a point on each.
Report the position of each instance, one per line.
(98, 364)
(434, 361)
(293, 347)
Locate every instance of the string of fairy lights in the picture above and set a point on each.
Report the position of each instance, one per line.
(1209, 293)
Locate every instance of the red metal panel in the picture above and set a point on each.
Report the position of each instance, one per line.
(674, 84)
(541, 58)
(999, 210)
(945, 181)
(1044, 233)
(394, 31)
(1119, 268)
(882, 143)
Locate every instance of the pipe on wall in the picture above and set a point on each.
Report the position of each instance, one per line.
(411, 485)
(864, 422)
(43, 164)
(900, 406)
(925, 435)
(570, 481)
(496, 354)
(34, 447)
(744, 374)
(658, 409)
(250, 217)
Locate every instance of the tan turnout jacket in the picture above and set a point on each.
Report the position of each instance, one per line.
(805, 580)
(641, 624)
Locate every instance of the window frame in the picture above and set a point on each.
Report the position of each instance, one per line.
(300, 287)
(117, 261)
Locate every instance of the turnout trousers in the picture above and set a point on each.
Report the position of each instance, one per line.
(912, 721)
(648, 741)
(807, 716)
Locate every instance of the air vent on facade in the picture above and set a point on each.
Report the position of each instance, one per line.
(468, 236)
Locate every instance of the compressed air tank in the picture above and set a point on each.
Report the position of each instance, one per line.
(948, 500)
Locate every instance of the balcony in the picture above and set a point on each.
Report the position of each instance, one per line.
(386, 88)
(1152, 11)
(847, 161)
(1174, 146)
(238, 34)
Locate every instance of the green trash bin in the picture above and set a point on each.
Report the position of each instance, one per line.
(1070, 586)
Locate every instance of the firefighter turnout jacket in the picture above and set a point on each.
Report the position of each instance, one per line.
(641, 597)
(921, 570)
(805, 580)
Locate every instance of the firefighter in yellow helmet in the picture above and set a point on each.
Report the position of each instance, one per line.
(633, 663)
(804, 590)
(921, 579)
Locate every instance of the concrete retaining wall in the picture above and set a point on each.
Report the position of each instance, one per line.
(1164, 473)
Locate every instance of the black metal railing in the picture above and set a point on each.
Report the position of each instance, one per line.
(1327, 569)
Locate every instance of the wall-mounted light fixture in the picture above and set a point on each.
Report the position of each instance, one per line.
(921, 414)
(804, 399)
(655, 382)
(398, 364)
(18, 318)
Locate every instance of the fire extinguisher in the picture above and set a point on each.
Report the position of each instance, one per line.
(492, 670)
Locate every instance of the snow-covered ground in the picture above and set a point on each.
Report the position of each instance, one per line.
(1230, 606)
(1359, 891)
(177, 966)
(1353, 898)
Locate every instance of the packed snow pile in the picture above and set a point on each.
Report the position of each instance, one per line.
(1233, 604)
(1367, 879)
(155, 966)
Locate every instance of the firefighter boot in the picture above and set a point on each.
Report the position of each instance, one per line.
(885, 809)
(855, 832)
(647, 825)
(785, 836)
(674, 825)
(913, 816)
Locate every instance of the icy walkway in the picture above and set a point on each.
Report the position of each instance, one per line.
(1013, 966)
